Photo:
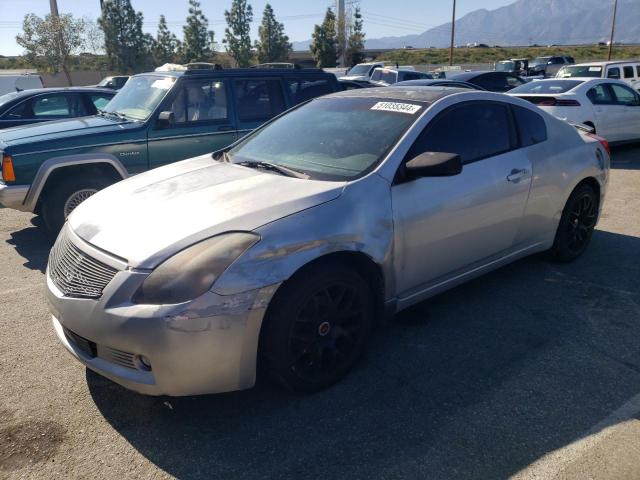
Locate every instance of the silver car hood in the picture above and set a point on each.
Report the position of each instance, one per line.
(149, 217)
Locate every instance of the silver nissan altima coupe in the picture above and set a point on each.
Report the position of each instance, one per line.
(278, 253)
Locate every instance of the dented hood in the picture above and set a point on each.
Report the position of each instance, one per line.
(149, 217)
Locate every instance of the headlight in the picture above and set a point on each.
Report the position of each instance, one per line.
(191, 272)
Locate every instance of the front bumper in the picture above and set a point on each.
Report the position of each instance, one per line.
(12, 196)
(208, 345)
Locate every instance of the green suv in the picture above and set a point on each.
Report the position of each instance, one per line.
(155, 119)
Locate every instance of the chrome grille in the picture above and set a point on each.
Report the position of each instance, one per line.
(74, 272)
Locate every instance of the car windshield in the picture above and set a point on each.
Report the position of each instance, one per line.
(335, 139)
(140, 96)
(8, 97)
(594, 71)
(505, 67)
(547, 86)
(359, 70)
(540, 60)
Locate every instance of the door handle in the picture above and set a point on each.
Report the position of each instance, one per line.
(516, 175)
(225, 128)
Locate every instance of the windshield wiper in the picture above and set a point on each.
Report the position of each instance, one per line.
(288, 172)
(119, 115)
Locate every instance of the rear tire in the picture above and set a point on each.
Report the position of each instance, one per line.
(576, 225)
(61, 199)
(317, 327)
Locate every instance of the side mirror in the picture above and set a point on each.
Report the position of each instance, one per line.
(165, 120)
(433, 164)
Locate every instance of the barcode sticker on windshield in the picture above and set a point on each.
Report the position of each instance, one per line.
(396, 107)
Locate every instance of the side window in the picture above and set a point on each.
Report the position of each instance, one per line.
(487, 132)
(531, 126)
(258, 100)
(628, 72)
(120, 81)
(557, 60)
(200, 101)
(306, 89)
(51, 106)
(489, 82)
(20, 111)
(600, 95)
(638, 70)
(99, 101)
(411, 76)
(613, 73)
(625, 95)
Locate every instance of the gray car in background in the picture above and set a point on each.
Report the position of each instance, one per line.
(282, 250)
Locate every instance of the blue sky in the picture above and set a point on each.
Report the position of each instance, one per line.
(381, 17)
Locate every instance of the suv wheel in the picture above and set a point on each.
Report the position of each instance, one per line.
(60, 200)
(317, 327)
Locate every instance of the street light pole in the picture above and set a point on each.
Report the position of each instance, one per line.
(613, 27)
(453, 33)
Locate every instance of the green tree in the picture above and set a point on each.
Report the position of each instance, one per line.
(50, 42)
(127, 47)
(354, 53)
(273, 45)
(237, 34)
(198, 39)
(166, 45)
(324, 42)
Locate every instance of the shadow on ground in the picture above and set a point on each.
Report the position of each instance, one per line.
(478, 382)
(625, 157)
(32, 244)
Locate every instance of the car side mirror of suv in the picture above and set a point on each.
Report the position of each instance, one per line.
(165, 120)
(433, 164)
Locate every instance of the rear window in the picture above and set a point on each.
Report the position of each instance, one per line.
(594, 71)
(547, 86)
(628, 72)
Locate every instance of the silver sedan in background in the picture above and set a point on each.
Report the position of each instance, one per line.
(281, 251)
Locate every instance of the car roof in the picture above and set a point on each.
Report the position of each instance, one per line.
(438, 82)
(36, 91)
(416, 94)
(603, 64)
(252, 72)
(399, 70)
(467, 75)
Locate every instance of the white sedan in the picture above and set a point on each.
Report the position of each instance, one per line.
(609, 106)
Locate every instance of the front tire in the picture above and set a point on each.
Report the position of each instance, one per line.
(62, 198)
(317, 327)
(576, 225)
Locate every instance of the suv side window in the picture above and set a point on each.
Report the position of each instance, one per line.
(303, 89)
(411, 76)
(601, 95)
(531, 126)
(613, 73)
(258, 100)
(200, 100)
(628, 72)
(625, 95)
(488, 131)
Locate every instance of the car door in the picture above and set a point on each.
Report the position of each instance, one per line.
(201, 121)
(609, 121)
(445, 226)
(628, 105)
(257, 101)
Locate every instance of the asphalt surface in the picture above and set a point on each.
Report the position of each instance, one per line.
(532, 371)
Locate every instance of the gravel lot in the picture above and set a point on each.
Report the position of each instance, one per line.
(532, 371)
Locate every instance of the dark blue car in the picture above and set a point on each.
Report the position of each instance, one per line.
(45, 104)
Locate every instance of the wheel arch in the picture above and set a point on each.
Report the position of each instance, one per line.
(85, 164)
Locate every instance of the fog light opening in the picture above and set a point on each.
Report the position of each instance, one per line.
(143, 363)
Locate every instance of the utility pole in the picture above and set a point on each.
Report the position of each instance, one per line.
(342, 30)
(613, 27)
(453, 33)
(54, 8)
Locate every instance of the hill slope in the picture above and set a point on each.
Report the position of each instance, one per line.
(527, 22)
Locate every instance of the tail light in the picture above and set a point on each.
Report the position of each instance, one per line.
(8, 174)
(602, 141)
(552, 102)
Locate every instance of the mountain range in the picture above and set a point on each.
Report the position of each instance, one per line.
(525, 22)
